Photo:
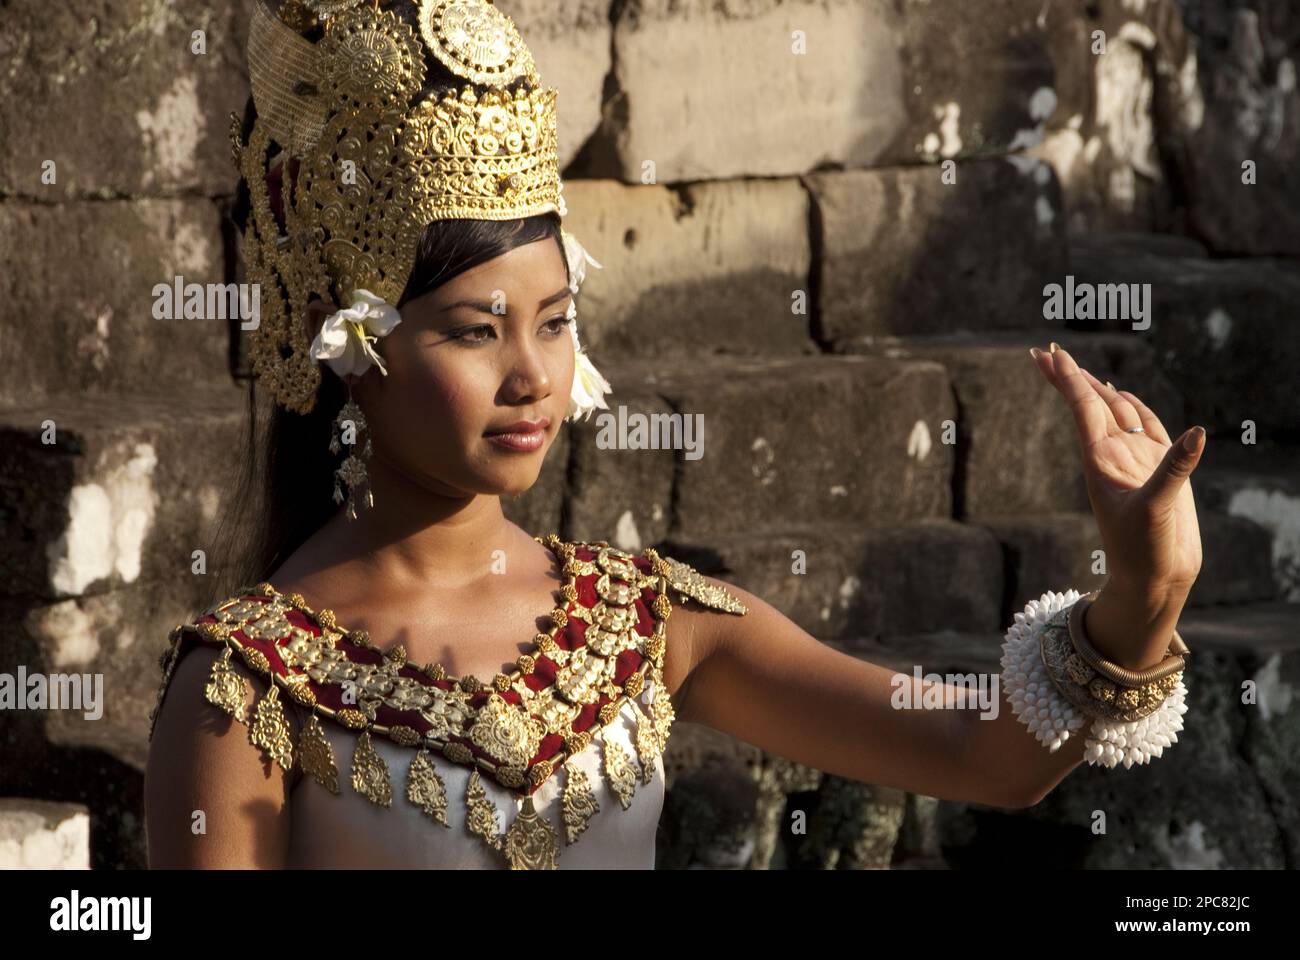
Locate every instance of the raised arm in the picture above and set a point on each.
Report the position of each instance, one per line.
(763, 679)
(201, 760)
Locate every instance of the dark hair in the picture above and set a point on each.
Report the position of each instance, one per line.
(284, 490)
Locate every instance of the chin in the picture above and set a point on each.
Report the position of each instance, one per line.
(509, 473)
(512, 478)
(512, 484)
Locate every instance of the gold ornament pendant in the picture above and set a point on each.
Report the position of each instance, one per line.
(530, 842)
(348, 426)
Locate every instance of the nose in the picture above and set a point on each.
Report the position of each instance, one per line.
(527, 378)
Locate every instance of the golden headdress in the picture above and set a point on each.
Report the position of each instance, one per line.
(364, 161)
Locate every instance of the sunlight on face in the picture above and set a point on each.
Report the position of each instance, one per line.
(457, 370)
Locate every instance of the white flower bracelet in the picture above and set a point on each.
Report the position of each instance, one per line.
(1052, 719)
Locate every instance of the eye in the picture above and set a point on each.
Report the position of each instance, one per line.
(466, 334)
(559, 324)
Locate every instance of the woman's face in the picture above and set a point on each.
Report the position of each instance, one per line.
(457, 371)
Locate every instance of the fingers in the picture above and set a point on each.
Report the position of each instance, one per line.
(1112, 425)
(1091, 413)
(1124, 413)
(1124, 409)
(1179, 461)
(1155, 429)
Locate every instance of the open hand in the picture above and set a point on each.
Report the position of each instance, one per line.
(1138, 482)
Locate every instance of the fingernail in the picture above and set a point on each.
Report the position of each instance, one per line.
(1034, 352)
(1112, 386)
(1192, 442)
(1054, 346)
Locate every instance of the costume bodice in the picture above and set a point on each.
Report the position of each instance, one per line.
(350, 831)
(567, 746)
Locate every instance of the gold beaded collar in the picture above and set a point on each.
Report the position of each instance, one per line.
(325, 620)
(605, 650)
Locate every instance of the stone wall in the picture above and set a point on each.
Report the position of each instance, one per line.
(839, 256)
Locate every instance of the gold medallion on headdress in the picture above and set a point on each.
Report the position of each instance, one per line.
(475, 40)
(370, 58)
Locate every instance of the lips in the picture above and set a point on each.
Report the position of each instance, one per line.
(519, 427)
(522, 436)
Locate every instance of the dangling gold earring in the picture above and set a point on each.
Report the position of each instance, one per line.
(349, 423)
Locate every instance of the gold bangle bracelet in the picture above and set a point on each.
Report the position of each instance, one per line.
(1171, 664)
(1091, 693)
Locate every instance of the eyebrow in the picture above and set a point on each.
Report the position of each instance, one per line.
(485, 306)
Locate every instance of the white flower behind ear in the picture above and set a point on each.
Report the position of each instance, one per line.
(589, 387)
(345, 338)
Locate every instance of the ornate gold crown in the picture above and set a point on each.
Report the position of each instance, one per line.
(373, 166)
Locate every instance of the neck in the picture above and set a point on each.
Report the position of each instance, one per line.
(420, 535)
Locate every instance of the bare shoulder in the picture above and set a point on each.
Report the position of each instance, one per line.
(708, 613)
(211, 797)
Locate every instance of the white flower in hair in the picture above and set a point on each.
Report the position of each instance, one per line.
(578, 258)
(589, 387)
(345, 338)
